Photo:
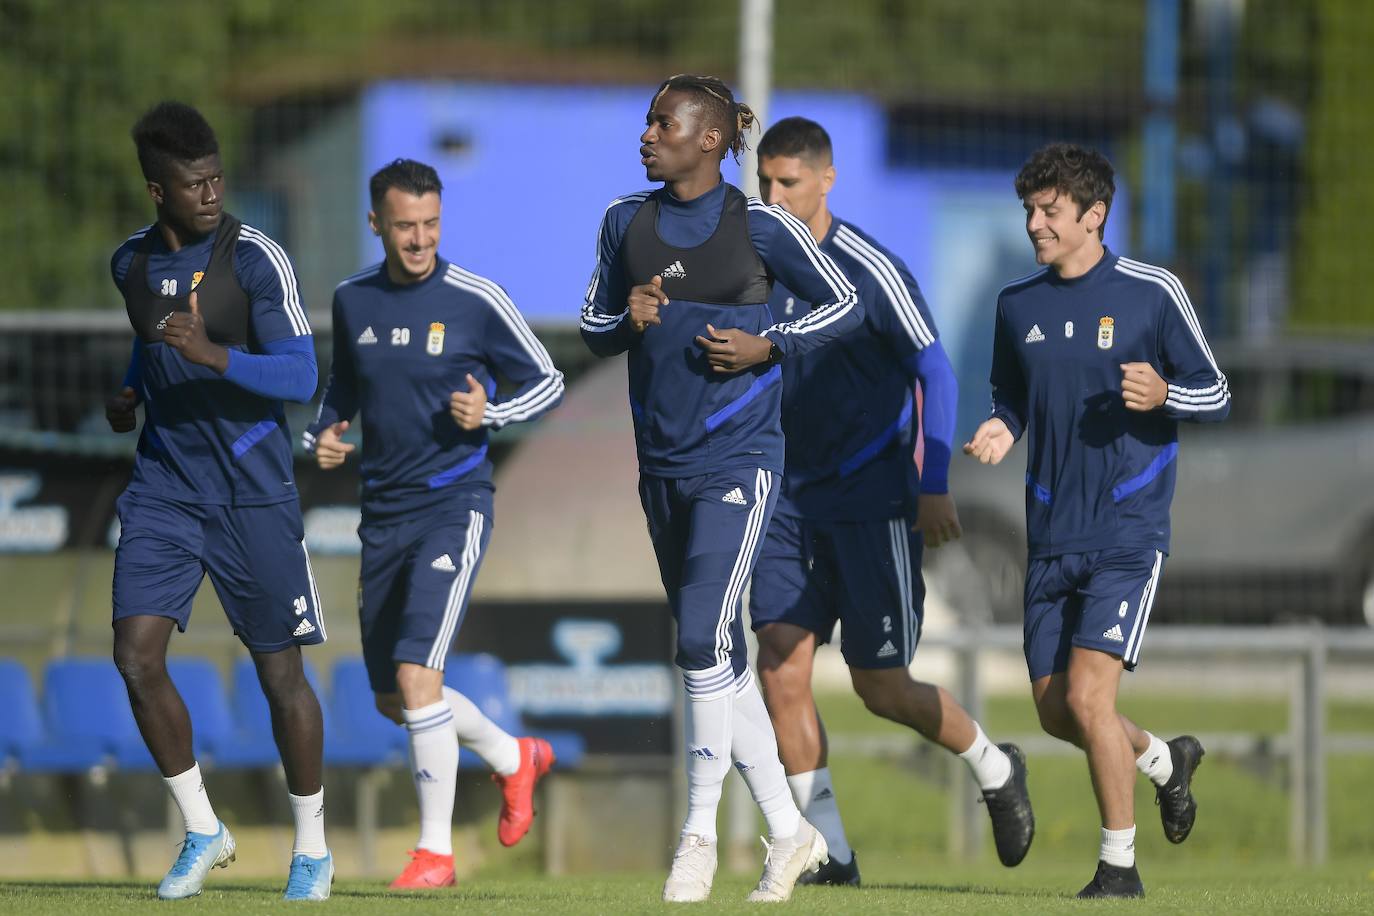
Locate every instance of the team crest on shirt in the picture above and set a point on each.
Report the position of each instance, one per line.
(196, 278)
(1105, 329)
(435, 345)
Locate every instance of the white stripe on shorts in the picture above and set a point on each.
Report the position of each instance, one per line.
(744, 564)
(901, 561)
(315, 595)
(1142, 613)
(458, 592)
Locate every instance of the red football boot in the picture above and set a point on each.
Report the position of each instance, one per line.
(426, 869)
(517, 790)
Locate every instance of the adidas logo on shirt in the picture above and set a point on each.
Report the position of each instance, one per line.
(735, 497)
(702, 752)
(888, 650)
(1114, 634)
(1035, 335)
(305, 628)
(367, 337)
(674, 271)
(443, 564)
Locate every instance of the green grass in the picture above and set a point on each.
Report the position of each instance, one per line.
(1033, 888)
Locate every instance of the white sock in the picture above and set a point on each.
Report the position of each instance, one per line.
(755, 749)
(815, 795)
(709, 715)
(308, 810)
(991, 767)
(497, 749)
(188, 789)
(1156, 763)
(434, 767)
(1118, 847)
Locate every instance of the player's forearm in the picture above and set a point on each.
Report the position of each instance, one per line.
(133, 375)
(820, 326)
(1207, 401)
(535, 397)
(940, 407)
(287, 372)
(1009, 406)
(607, 335)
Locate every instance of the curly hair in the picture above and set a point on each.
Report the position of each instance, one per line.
(171, 131)
(734, 119)
(1082, 173)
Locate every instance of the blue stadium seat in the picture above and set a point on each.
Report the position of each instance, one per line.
(482, 679)
(251, 744)
(86, 711)
(197, 680)
(200, 686)
(21, 724)
(359, 736)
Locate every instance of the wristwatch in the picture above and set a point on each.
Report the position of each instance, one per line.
(774, 354)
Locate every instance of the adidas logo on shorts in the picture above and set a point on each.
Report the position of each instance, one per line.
(367, 336)
(305, 628)
(735, 497)
(1114, 634)
(674, 271)
(443, 564)
(888, 650)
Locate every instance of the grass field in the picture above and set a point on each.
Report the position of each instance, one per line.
(1235, 861)
(896, 811)
(1031, 889)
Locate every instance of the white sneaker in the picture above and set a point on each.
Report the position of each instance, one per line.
(786, 860)
(694, 867)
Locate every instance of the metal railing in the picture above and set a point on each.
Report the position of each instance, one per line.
(1308, 649)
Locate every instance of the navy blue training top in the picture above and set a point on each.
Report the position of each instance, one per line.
(847, 409)
(1099, 475)
(207, 438)
(688, 419)
(400, 351)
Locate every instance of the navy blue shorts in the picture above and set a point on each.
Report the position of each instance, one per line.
(416, 577)
(866, 575)
(706, 532)
(255, 556)
(1099, 600)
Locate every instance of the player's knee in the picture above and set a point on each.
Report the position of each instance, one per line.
(697, 651)
(1086, 705)
(878, 690)
(282, 675)
(785, 679)
(389, 705)
(1056, 721)
(138, 665)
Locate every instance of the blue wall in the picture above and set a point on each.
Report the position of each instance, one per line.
(528, 172)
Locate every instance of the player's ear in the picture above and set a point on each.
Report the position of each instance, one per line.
(155, 192)
(828, 178)
(1095, 217)
(372, 223)
(710, 139)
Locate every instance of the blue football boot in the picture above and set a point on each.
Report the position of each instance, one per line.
(310, 878)
(200, 853)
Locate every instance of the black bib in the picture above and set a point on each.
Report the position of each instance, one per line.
(223, 304)
(723, 270)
